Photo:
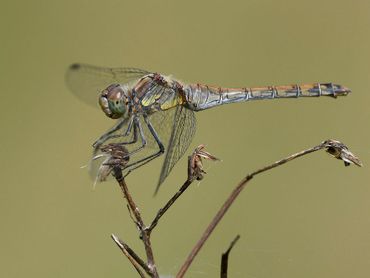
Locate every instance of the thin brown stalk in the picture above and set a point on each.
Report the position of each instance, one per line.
(173, 199)
(163, 210)
(195, 172)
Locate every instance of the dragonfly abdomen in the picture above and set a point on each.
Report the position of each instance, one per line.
(201, 97)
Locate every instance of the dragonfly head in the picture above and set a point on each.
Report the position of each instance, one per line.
(113, 101)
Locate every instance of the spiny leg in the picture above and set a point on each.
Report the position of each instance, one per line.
(109, 135)
(145, 160)
(137, 130)
(126, 154)
(128, 131)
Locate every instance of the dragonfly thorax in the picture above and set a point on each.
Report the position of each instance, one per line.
(114, 101)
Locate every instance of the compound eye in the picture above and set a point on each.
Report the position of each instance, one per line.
(111, 101)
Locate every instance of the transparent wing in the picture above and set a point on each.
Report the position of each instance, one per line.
(87, 81)
(183, 130)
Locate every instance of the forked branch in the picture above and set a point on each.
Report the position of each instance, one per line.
(114, 153)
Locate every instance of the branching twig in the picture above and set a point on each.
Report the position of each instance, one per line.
(335, 148)
(113, 162)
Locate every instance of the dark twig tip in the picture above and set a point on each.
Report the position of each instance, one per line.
(225, 258)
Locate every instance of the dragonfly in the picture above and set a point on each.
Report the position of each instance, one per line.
(155, 113)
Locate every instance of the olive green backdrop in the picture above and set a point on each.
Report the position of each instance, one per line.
(309, 218)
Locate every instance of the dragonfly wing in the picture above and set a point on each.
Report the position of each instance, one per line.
(87, 81)
(183, 130)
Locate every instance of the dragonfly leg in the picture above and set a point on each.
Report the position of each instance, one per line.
(128, 130)
(137, 129)
(155, 134)
(145, 160)
(127, 133)
(108, 134)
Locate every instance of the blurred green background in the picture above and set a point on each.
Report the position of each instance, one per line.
(309, 218)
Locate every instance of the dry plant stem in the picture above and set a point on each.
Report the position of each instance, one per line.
(192, 175)
(230, 201)
(140, 223)
(162, 211)
(132, 257)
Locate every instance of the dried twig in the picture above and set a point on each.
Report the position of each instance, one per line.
(195, 172)
(335, 148)
(163, 210)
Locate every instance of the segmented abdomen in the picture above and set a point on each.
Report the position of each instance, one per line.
(200, 97)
